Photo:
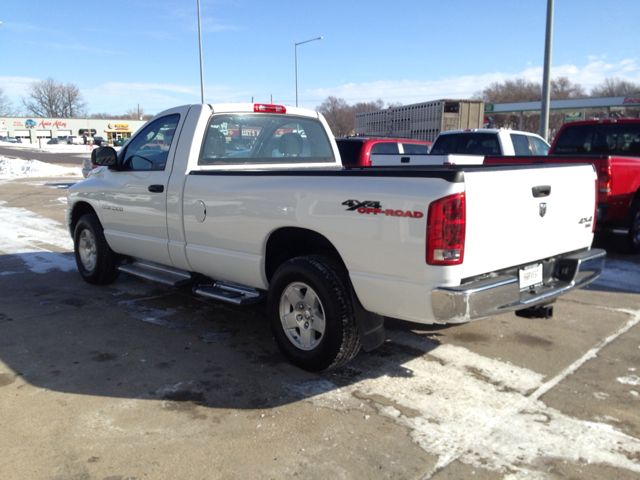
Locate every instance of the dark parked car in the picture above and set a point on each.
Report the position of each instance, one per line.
(100, 141)
(120, 142)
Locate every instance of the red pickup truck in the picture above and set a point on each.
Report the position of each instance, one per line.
(613, 147)
(376, 152)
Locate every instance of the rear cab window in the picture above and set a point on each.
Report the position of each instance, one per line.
(385, 148)
(414, 148)
(467, 143)
(600, 139)
(241, 139)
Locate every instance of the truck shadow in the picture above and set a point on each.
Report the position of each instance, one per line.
(137, 340)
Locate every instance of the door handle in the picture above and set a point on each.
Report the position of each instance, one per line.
(156, 188)
(405, 159)
(541, 191)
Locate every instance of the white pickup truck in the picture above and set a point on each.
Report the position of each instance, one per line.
(470, 146)
(247, 201)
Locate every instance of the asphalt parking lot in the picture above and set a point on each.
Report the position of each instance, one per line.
(135, 380)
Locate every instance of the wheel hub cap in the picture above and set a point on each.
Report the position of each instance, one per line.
(302, 316)
(87, 250)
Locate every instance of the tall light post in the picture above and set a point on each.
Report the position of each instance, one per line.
(544, 111)
(200, 43)
(296, 49)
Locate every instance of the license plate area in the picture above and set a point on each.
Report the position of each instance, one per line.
(530, 276)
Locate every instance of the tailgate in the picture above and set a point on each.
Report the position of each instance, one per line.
(402, 159)
(517, 215)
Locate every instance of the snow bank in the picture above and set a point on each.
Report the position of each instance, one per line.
(16, 168)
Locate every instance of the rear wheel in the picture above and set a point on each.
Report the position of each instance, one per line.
(311, 315)
(96, 262)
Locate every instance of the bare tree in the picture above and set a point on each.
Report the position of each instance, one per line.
(135, 113)
(339, 115)
(615, 87)
(6, 106)
(73, 105)
(48, 98)
(510, 91)
(368, 106)
(522, 90)
(105, 116)
(562, 88)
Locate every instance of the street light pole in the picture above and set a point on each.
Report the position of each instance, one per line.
(296, 50)
(200, 43)
(546, 97)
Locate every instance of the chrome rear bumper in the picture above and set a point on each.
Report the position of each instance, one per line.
(500, 294)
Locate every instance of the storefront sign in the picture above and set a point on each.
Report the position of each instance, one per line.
(29, 123)
(18, 124)
(573, 117)
(118, 126)
(631, 100)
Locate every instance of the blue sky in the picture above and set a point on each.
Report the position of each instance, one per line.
(124, 53)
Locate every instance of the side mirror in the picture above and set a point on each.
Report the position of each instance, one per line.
(105, 157)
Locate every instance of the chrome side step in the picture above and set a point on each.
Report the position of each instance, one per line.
(157, 273)
(228, 292)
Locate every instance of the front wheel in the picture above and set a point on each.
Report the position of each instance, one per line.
(311, 315)
(96, 262)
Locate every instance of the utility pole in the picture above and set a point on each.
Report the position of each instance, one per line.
(200, 43)
(544, 111)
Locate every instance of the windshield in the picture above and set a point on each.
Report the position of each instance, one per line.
(264, 138)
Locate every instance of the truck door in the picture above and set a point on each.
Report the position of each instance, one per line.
(134, 205)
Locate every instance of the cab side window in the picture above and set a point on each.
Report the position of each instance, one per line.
(149, 149)
(540, 146)
(521, 144)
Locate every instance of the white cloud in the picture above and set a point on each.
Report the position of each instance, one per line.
(413, 91)
(15, 87)
(118, 97)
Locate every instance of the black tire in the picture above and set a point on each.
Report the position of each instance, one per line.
(633, 222)
(96, 262)
(321, 333)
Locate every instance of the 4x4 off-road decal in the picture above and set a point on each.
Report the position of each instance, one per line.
(370, 207)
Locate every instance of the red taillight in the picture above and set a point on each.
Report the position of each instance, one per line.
(268, 108)
(446, 230)
(604, 179)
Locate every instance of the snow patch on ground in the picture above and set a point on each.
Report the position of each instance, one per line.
(483, 420)
(501, 374)
(630, 380)
(23, 231)
(11, 168)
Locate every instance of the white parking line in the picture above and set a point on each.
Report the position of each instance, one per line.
(487, 420)
(593, 353)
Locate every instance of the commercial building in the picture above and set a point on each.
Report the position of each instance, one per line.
(421, 121)
(31, 129)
